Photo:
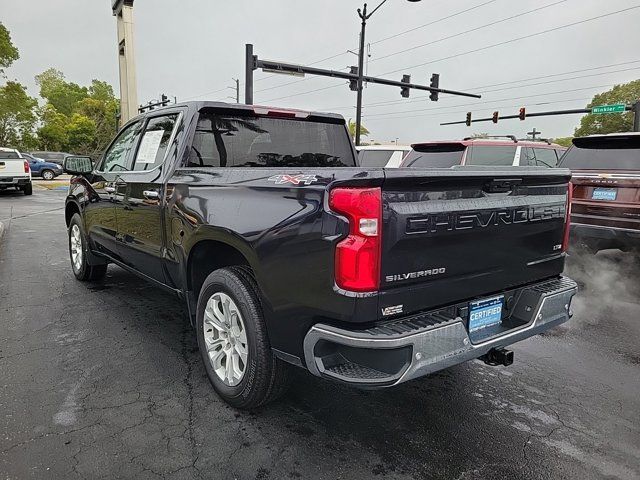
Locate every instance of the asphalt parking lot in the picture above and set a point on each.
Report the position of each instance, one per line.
(104, 381)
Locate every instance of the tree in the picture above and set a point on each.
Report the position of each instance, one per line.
(52, 134)
(480, 135)
(564, 141)
(17, 116)
(62, 95)
(352, 129)
(8, 52)
(615, 122)
(81, 133)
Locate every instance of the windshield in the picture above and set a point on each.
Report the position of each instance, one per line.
(435, 156)
(245, 141)
(621, 153)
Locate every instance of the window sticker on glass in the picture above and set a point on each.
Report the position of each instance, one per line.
(149, 146)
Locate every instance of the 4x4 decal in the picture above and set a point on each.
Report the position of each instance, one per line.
(293, 179)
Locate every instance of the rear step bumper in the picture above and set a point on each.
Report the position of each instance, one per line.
(411, 347)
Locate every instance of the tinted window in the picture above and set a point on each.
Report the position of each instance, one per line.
(545, 157)
(8, 154)
(155, 141)
(606, 154)
(434, 156)
(116, 158)
(374, 158)
(491, 155)
(239, 141)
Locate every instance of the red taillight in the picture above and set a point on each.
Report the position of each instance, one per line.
(26, 167)
(567, 220)
(357, 263)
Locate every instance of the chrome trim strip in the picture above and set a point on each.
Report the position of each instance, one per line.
(600, 227)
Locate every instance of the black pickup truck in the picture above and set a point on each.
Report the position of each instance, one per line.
(286, 252)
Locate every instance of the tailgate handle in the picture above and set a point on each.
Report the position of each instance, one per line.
(501, 185)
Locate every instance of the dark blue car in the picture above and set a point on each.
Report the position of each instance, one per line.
(42, 168)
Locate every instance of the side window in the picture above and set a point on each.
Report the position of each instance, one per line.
(374, 158)
(155, 142)
(545, 157)
(115, 159)
(491, 155)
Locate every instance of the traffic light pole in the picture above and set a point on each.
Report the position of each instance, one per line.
(253, 63)
(636, 116)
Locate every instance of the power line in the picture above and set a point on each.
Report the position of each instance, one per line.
(421, 98)
(475, 50)
(380, 41)
(531, 35)
(467, 31)
(433, 22)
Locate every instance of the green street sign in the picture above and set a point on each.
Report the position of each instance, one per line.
(617, 108)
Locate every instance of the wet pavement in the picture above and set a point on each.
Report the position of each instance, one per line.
(104, 380)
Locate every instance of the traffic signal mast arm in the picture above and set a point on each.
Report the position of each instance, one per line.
(292, 69)
(527, 115)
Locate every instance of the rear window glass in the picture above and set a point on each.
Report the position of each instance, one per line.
(8, 154)
(434, 156)
(245, 141)
(604, 154)
(374, 158)
(491, 155)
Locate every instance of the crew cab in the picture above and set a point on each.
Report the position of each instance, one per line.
(14, 171)
(286, 253)
(605, 211)
(493, 150)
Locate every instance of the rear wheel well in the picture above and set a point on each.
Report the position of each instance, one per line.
(207, 256)
(70, 210)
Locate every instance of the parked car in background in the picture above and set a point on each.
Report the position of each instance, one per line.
(14, 171)
(54, 157)
(606, 191)
(42, 168)
(494, 151)
(382, 155)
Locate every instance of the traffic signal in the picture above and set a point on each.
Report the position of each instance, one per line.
(523, 113)
(494, 119)
(353, 84)
(468, 119)
(435, 83)
(404, 91)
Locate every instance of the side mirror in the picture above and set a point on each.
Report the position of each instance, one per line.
(74, 165)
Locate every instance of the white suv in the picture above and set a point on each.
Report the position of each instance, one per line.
(389, 156)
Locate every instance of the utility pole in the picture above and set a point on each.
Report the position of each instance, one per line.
(636, 116)
(363, 16)
(250, 66)
(123, 11)
(534, 133)
(236, 87)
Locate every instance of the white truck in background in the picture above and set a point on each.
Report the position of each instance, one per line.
(14, 171)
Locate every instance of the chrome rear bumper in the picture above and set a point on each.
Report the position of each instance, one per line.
(408, 348)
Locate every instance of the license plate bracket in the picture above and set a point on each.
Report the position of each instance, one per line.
(604, 194)
(485, 313)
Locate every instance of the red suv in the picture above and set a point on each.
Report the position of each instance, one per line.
(605, 211)
(483, 151)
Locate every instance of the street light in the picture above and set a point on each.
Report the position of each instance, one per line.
(364, 16)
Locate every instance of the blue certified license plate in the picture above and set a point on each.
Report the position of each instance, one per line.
(604, 194)
(485, 313)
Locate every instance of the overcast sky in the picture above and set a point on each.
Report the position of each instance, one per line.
(193, 48)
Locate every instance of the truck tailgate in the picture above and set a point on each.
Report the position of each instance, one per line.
(12, 167)
(467, 233)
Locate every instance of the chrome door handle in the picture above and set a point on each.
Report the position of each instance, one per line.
(151, 194)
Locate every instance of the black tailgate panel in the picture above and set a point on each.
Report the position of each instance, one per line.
(461, 237)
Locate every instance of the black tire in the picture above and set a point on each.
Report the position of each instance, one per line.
(28, 189)
(265, 377)
(84, 271)
(48, 175)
